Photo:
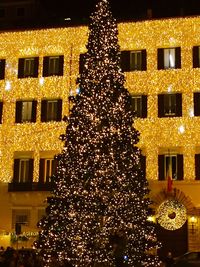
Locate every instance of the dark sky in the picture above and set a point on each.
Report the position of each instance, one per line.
(79, 10)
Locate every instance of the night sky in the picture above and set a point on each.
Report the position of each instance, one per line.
(79, 10)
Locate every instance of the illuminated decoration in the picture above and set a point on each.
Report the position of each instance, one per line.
(100, 192)
(8, 86)
(181, 129)
(171, 214)
(149, 35)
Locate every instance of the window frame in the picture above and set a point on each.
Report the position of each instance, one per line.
(166, 166)
(46, 66)
(162, 112)
(21, 67)
(19, 111)
(135, 56)
(161, 58)
(44, 110)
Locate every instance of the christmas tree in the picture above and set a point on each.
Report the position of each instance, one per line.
(99, 207)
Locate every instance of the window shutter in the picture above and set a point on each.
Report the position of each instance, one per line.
(2, 69)
(144, 60)
(125, 60)
(18, 112)
(30, 176)
(45, 66)
(180, 167)
(81, 63)
(43, 110)
(197, 166)
(16, 171)
(36, 66)
(195, 54)
(34, 111)
(54, 166)
(59, 114)
(178, 105)
(197, 104)
(1, 112)
(144, 106)
(161, 170)
(160, 105)
(21, 68)
(177, 57)
(143, 164)
(61, 65)
(41, 171)
(160, 58)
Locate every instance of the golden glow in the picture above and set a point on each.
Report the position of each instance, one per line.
(171, 214)
(155, 133)
(193, 219)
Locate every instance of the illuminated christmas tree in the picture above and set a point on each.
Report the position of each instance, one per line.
(99, 207)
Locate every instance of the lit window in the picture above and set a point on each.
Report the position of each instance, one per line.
(139, 105)
(25, 111)
(23, 170)
(29, 67)
(136, 60)
(171, 166)
(51, 110)
(169, 58)
(53, 65)
(170, 105)
(133, 60)
(47, 169)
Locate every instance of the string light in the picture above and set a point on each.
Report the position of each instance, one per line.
(132, 36)
(171, 214)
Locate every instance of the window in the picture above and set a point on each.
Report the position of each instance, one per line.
(23, 170)
(196, 56)
(20, 216)
(170, 164)
(196, 103)
(197, 166)
(25, 111)
(2, 68)
(51, 110)
(139, 105)
(1, 111)
(133, 60)
(53, 65)
(169, 58)
(28, 67)
(170, 105)
(47, 169)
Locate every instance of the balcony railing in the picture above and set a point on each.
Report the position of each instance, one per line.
(24, 187)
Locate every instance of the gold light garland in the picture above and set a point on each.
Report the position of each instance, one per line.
(171, 214)
(156, 133)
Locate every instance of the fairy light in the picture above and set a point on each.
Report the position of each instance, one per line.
(100, 189)
(132, 36)
(171, 214)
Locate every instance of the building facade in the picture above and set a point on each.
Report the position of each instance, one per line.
(38, 71)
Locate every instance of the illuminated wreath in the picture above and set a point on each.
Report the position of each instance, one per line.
(171, 214)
